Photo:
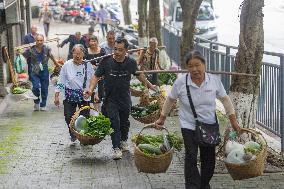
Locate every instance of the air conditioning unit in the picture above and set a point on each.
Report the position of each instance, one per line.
(11, 11)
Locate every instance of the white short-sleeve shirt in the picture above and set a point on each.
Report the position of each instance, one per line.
(203, 98)
(72, 76)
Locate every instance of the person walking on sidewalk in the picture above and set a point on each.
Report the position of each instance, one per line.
(30, 38)
(108, 45)
(203, 88)
(39, 54)
(73, 40)
(102, 16)
(95, 51)
(117, 71)
(75, 76)
(88, 35)
(46, 16)
(150, 60)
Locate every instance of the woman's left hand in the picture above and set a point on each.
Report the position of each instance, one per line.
(237, 128)
(154, 87)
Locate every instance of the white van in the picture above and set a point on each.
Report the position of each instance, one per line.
(205, 22)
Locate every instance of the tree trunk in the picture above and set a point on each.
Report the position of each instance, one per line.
(244, 90)
(142, 23)
(190, 9)
(154, 20)
(126, 12)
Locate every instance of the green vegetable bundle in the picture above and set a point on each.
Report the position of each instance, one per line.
(137, 86)
(153, 144)
(166, 78)
(97, 126)
(19, 90)
(140, 111)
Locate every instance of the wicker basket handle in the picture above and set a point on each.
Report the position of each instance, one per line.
(256, 133)
(76, 114)
(150, 126)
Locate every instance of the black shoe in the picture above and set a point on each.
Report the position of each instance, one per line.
(73, 138)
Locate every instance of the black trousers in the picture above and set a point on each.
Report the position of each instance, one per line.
(194, 179)
(118, 115)
(70, 109)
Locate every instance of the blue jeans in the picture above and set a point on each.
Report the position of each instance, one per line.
(40, 86)
(104, 28)
(118, 116)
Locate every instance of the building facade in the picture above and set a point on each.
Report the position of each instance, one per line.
(15, 22)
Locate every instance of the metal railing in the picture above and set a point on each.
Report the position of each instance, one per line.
(221, 57)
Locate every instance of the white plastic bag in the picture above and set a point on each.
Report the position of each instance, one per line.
(236, 156)
(233, 145)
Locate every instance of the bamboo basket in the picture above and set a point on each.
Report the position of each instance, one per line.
(84, 139)
(252, 168)
(136, 93)
(149, 118)
(152, 164)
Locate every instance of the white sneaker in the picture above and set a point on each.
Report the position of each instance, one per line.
(30, 95)
(43, 108)
(117, 154)
(124, 146)
(36, 107)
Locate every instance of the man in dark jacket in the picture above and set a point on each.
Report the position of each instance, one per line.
(73, 40)
(30, 38)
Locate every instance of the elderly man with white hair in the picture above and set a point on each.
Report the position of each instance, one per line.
(149, 60)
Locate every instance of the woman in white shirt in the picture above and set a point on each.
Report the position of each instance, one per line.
(204, 89)
(74, 78)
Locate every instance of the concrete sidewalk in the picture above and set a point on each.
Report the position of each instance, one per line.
(35, 152)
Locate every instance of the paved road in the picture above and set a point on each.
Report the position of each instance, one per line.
(35, 152)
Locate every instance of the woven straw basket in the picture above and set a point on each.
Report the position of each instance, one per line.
(152, 164)
(149, 118)
(254, 167)
(136, 93)
(84, 140)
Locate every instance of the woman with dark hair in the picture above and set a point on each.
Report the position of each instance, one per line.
(197, 91)
(74, 78)
(95, 51)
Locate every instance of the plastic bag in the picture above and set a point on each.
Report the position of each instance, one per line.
(236, 156)
(233, 145)
(165, 61)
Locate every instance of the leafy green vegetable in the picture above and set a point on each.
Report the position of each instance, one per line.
(157, 140)
(19, 90)
(140, 111)
(167, 78)
(98, 126)
(138, 86)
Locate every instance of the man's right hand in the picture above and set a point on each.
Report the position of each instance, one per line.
(160, 122)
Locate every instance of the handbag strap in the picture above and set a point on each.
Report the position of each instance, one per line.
(85, 77)
(190, 99)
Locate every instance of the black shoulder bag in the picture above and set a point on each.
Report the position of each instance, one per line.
(207, 135)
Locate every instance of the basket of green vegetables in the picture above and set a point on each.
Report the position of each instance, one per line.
(146, 113)
(91, 130)
(154, 153)
(137, 89)
(20, 88)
